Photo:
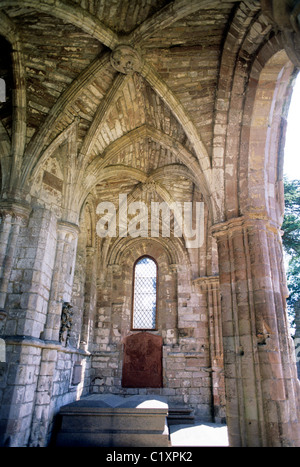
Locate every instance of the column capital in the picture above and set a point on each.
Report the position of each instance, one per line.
(90, 251)
(68, 228)
(207, 281)
(248, 220)
(15, 209)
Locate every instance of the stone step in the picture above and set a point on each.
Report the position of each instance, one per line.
(180, 416)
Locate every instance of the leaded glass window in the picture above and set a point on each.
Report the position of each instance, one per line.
(144, 296)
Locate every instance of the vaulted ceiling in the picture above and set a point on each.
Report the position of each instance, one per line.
(131, 83)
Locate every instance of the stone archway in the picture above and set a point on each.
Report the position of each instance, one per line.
(252, 278)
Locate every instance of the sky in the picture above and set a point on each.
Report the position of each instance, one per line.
(291, 166)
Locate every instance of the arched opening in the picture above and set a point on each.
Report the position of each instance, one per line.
(291, 167)
(266, 138)
(250, 257)
(144, 294)
(291, 223)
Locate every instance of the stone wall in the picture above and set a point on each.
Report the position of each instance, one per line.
(37, 375)
(37, 380)
(183, 322)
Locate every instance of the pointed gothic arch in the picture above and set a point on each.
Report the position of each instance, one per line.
(144, 294)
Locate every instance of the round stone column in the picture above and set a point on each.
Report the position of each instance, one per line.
(62, 280)
(12, 216)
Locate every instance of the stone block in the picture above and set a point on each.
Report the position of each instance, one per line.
(110, 420)
(142, 365)
(77, 374)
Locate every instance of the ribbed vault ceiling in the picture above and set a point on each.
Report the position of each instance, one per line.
(161, 114)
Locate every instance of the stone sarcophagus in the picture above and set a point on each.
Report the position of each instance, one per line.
(142, 363)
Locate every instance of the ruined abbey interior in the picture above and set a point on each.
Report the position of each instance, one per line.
(134, 104)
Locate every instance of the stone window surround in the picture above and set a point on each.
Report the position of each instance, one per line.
(133, 293)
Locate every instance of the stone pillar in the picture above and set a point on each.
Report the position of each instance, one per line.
(62, 280)
(17, 390)
(211, 288)
(25, 291)
(60, 293)
(119, 325)
(169, 304)
(90, 291)
(26, 385)
(262, 390)
(13, 216)
(27, 274)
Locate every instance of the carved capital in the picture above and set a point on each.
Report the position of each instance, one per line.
(126, 59)
(249, 220)
(14, 209)
(67, 228)
(207, 282)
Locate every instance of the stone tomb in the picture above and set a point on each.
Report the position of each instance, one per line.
(110, 420)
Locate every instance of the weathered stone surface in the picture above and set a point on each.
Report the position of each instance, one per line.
(109, 420)
(142, 361)
(165, 102)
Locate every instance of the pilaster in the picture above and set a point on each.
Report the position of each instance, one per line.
(13, 215)
(89, 297)
(62, 280)
(210, 287)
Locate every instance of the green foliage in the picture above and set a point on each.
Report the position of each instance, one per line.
(291, 241)
(291, 222)
(293, 278)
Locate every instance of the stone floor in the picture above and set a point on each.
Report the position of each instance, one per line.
(199, 434)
